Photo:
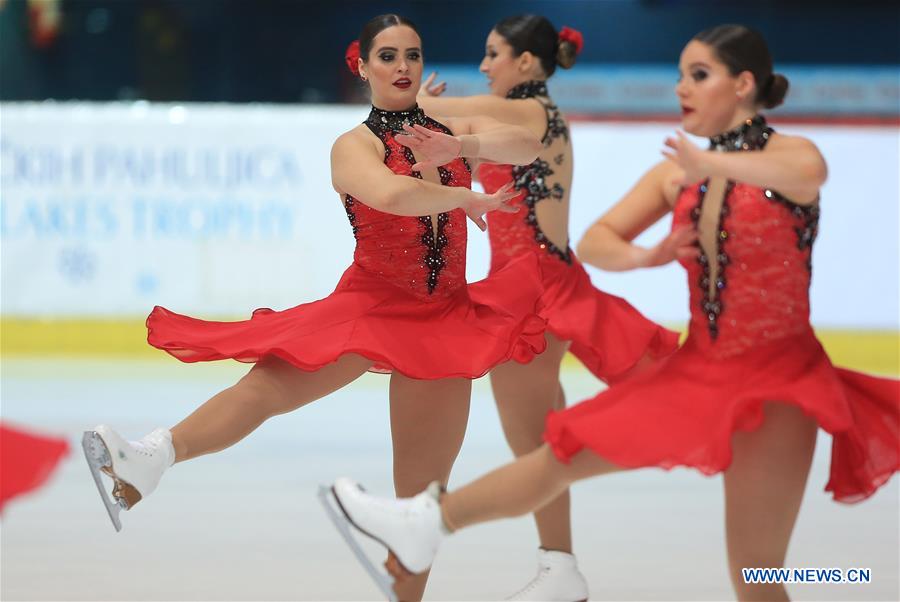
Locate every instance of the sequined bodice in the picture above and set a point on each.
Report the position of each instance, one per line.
(760, 292)
(425, 256)
(512, 234)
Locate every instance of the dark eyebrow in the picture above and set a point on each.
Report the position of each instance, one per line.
(396, 50)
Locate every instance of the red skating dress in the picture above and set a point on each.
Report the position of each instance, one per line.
(26, 460)
(403, 303)
(750, 342)
(607, 334)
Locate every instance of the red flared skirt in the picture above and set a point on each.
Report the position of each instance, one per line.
(464, 334)
(608, 335)
(684, 410)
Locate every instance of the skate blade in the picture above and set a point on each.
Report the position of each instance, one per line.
(333, 509)
(99, 460)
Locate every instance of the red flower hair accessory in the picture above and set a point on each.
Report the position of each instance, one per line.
(573, 36)
(352, 57)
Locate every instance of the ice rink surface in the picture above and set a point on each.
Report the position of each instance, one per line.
(245, 524)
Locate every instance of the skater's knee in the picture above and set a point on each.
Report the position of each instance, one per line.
(553, 470)
(264, 393)
(524, 440)
(523, 422)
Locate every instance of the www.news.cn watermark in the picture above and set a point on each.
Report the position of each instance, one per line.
(811, 575)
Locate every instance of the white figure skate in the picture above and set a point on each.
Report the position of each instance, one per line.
(411, 528)
(134, 466)
(558, 580)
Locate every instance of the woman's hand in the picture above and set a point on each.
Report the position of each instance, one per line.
(429, 88)
(681, 243)
(689, 157)
(482, 203)
(432, 148)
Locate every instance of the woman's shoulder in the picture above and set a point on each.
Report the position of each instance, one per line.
(788, 142)
(358, 138)
(667, 176)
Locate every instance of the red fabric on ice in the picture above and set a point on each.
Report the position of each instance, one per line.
(26, 460)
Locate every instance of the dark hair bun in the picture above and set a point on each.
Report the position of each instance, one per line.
(534, 34)
(743, 49)
(566, 54)
(773, 93)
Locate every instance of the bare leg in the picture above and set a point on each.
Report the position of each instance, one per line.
(428, 424)
(273, 386)
(763, 491)
(525, 485)
(524, 394)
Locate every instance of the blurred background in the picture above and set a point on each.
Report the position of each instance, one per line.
(176, 152)
(291, 51)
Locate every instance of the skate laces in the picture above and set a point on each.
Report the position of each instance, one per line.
(157, 444)
(142, 449)
(147, 447)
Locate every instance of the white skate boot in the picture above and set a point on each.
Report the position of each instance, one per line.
(410, 528)
(134, 466)
(558, 580)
